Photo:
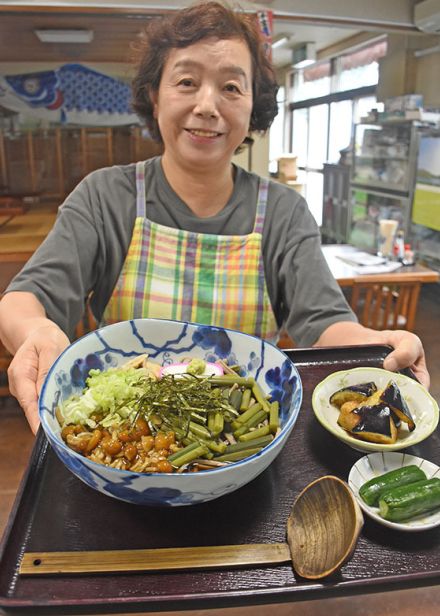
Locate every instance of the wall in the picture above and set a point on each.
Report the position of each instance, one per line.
(427, 78)
(401, 72)
(257, 160)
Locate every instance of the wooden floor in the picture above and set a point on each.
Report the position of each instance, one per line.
(16, 442)
(24, 233)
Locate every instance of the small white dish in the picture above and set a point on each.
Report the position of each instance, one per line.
(375, 464)
(422, 405)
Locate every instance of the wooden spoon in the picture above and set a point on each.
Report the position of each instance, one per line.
(322, 531)
(323, 527)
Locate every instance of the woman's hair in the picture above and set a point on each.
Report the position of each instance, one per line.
(189, 26)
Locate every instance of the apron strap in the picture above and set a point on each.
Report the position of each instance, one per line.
(140, 189)
(263, 190)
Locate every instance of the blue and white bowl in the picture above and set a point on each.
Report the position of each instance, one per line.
(168, 342)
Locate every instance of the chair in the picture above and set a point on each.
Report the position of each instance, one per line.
(285, 341)
(10, 208)
(87, 322)
(5, 360)
(385, 305)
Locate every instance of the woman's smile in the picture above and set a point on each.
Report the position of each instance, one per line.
(199, 132)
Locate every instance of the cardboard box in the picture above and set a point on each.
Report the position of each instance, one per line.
(287, 167)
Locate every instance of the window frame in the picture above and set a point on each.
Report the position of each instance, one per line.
(335, 97)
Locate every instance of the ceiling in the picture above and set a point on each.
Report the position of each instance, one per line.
(116, 26)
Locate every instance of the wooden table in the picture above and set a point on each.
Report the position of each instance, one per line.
(346, 274)
(10, 208)
(24, 233)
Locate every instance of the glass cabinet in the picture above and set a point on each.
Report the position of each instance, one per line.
(385, 156)
(335, 202)
(367, 208)
(382, 181)
(394, 173)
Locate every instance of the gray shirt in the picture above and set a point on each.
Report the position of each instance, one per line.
(86, 248)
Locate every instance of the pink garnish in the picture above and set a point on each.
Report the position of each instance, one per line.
(211, 369)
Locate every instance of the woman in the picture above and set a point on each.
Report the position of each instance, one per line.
(188, 235)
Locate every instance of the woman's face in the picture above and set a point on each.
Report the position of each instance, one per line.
(204, 102)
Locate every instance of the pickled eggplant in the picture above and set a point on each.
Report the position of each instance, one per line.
(356, 393)
(392, 396)
(372, 423)
(347, 419)
(376, 424)
(372, 414)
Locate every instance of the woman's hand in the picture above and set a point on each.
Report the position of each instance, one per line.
(408, 353)
(30, 366)
(408, 349)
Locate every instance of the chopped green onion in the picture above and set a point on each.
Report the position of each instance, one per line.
(199, 430)
(254, 434)
(216, 423)
(257, 442)
(188, 454)
(245, 400)
(260, 397)
(253, 421)
(242, 419)
(274, 419)
(238, 455)
(235, 398)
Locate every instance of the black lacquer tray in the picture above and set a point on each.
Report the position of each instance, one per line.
(54, 511)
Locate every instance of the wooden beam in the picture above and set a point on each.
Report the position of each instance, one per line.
(84, 153)
(31, 158)
(3, 167)
(117, 11)
(110, 146)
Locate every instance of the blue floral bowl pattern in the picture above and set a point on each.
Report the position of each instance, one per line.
(167, 342)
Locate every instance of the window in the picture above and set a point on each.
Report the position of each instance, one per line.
(277, 147)
(318, 129)
(311, 82)
(300, 135)
(360, 68)
(325, 101)
(341, 120)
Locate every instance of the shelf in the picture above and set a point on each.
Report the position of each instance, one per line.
(396, 188)
(380, 157)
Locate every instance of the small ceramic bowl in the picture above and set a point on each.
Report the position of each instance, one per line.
(376, 464)
(168, 342)
(422, 405)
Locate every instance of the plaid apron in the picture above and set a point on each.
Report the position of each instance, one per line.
(199, 277)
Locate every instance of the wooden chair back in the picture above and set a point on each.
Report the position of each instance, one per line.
(285, 341)
(385, 305)
(87, 322)
(5, 360)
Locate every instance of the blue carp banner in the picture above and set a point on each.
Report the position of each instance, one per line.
(70, 94)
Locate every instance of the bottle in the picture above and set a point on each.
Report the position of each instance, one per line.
(408, 258)
(399, 246)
